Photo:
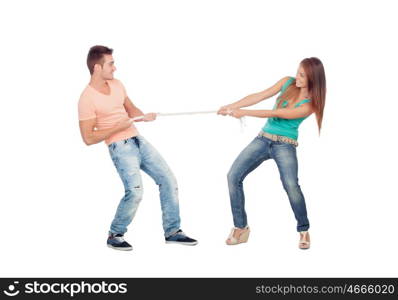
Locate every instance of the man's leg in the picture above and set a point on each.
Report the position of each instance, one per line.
(126, 158)
(156, 167)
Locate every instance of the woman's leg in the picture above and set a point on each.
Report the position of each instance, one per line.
(249, 159)
(285, 157)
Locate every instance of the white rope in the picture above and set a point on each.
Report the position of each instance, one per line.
(242, 119)
(179, 114)
(188, 113)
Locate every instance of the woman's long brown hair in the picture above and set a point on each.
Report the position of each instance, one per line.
(315, 72)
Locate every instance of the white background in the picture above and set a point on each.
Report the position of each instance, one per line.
(58, 196)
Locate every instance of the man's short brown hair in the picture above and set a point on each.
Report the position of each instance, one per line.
(96, 56)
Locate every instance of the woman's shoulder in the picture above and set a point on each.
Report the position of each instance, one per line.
(286, 81)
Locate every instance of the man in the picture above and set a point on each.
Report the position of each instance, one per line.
(105, 113)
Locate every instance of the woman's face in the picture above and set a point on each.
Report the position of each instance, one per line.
(301, 78)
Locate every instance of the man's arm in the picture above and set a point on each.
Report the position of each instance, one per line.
(91, 136)
(134, 111)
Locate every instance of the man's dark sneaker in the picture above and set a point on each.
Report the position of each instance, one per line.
(180, 238)
(116, 241)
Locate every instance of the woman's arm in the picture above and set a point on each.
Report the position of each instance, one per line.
(254, 98)
(302, 111)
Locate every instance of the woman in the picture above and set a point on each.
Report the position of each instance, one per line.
(299, 98)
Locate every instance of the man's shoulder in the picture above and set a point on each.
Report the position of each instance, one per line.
(115, 81)
(118, 85)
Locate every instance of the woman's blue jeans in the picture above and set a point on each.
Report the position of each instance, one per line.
(259, 150)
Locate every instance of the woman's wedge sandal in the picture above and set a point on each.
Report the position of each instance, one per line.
(304, 243)
(242, 238)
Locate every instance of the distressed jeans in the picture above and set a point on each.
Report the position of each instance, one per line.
(259, 150)
(129, 157)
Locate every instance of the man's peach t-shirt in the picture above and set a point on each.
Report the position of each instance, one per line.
(107, 109)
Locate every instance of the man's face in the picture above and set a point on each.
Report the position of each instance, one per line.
(108, 67)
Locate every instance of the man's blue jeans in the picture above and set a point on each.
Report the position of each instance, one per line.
(129, 156)
(259, 150)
